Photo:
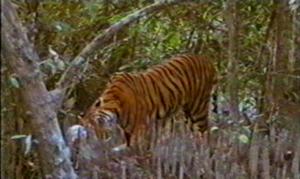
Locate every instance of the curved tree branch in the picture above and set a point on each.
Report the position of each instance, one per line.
(22, 58)
(73, 74)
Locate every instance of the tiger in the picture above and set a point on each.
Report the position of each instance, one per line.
(133, 100)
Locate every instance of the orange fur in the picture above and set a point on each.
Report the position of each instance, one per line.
(133, 100)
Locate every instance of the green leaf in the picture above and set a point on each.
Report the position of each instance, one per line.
(70, 103)
(93, 9)
(20, 136)
(214, 128)
(60, 65)
(125, 67)
(28, 144)
(14, 82)
(244, 139)
(174, 41)
(63, 27)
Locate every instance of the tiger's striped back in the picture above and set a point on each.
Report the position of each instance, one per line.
(134, 100)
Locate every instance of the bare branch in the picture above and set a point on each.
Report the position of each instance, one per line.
(22, 58)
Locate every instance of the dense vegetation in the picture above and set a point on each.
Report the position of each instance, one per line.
(255, 46)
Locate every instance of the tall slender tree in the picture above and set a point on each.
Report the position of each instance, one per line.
(232, 67)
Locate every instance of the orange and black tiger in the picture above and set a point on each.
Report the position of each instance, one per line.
(132, 100)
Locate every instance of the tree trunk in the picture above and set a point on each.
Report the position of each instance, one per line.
(277, 67)
(21, 57)
(232, 68)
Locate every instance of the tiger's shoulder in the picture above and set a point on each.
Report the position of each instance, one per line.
(185, 58)
(121, 77)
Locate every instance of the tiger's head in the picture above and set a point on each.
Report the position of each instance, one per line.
(101, 118)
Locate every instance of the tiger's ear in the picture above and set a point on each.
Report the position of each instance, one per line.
(98, 102)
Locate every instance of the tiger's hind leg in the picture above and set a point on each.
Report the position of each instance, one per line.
(199, 126)
(199, 114)
(198, 122)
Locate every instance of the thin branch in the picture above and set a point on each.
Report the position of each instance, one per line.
(267, 36)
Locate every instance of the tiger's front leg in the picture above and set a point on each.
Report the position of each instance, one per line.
(137, 139)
